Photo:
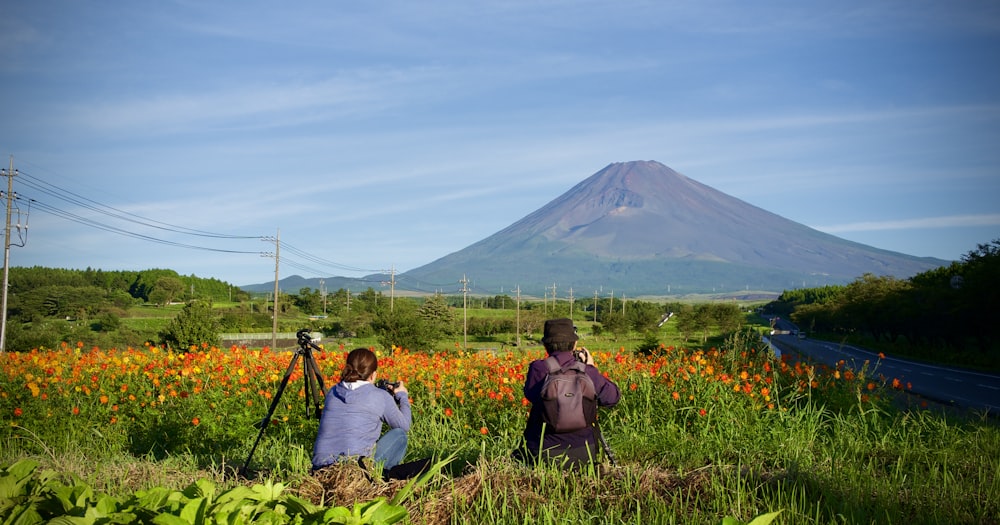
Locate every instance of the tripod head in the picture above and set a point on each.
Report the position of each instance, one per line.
(304, 338)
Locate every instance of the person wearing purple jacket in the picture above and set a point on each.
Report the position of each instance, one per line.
(353, 414)
(576, 448)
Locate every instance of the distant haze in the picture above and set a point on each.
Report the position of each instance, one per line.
(641, 229)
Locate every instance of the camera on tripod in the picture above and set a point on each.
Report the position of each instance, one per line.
(303, 337)
(388, 386)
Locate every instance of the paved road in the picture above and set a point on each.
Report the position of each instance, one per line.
(951, 386)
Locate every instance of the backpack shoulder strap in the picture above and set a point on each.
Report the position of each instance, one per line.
(552, 364)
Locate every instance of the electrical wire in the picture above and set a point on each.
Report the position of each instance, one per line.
(324, 262)
(78, 200)
(113, 229)
(74, 199)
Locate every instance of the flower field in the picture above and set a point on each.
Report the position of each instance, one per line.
(822, 437)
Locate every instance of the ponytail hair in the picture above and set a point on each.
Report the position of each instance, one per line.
(361, 362)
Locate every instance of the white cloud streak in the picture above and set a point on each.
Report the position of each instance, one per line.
(954, 221)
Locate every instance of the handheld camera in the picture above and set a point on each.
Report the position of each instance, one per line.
(388, 386)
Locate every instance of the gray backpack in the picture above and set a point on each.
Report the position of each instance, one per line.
(569, 399)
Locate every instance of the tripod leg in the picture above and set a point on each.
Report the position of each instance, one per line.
(270, 412)
(314, 383)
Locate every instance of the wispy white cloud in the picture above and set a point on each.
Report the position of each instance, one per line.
(954, 221)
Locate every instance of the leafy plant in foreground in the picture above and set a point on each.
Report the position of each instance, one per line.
(28, 496)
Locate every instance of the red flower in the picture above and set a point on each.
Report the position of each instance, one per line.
(448, 412)
(484, 431)
(702, 412)
(18, 412)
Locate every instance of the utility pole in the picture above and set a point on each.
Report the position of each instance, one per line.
(465, 312)
(570, 302)
(392, 286)
(611, 306)
(553, 298)
(623, 305)
(277, 263)
(10, 173)
(595, 306)
(518, 316)
(322, 293)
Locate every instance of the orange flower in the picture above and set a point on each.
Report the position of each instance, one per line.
(104, 400)
(76, 411)
(195, 421)
(18, 412)
(484, 431)
(676, 396)
(448, 412)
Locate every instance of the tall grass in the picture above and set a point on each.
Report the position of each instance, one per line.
(699, 435)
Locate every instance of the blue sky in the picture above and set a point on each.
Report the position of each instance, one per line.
(378, 135)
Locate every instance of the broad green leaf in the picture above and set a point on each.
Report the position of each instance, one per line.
(194, 511)
(22, 469)
(14, 479)
(201, 488)
(336, 515)
(765, 519)
(24, 515)
(386, 514)
(154, 498)
(238, 499)
(105, 505)
(268, 491)
(71, 520)
(298, 506)
(169, 519)
(235, 494)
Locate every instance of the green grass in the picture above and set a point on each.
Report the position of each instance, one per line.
(821, 455)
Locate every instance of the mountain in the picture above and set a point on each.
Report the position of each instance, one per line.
(641, 228)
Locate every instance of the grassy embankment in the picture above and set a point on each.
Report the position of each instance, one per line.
(700, 434)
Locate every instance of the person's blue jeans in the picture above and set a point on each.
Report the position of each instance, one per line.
(390, 448)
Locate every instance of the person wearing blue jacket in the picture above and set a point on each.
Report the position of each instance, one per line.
(353, 414)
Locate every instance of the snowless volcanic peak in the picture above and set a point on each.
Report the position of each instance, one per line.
(640, 222)
(644, 209)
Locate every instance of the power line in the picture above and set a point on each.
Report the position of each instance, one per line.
(113, 229)
(325, 262)
(103, 209)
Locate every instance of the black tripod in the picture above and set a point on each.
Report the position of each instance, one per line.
(313, 384)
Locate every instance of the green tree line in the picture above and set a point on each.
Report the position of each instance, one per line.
(50, 306)
(947, 314)
(47, 306)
